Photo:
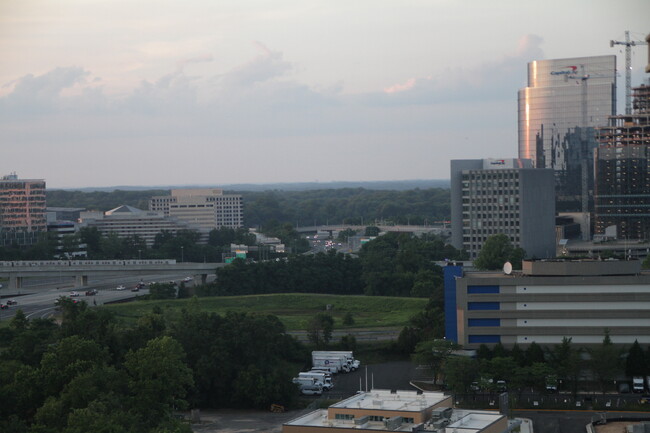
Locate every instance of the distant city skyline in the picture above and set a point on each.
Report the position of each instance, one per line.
(105, 93)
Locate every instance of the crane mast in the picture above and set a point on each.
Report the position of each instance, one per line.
(628, 67)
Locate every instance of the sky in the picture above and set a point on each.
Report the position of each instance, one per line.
(97, 93)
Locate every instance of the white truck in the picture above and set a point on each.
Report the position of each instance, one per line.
(637, 384)
(334, 363)
(308, 385)
(353, 364)
(324, 380)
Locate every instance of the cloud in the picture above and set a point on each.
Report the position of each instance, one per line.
(266, 66)
(494, 80)
(37, 94)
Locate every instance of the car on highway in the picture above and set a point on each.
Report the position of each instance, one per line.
(4, 307)
(188, 279)
(74, 294)
(121, 287)
(11, 302)
(136, 289)
(91, 292)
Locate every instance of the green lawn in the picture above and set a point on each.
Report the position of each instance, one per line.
(294, 310)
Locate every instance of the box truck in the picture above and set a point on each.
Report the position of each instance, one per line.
(353, 364)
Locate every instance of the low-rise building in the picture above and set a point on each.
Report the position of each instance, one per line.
(126, 221)
(546, 301)
(397, 411)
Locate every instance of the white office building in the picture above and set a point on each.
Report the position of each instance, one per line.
(205, 208)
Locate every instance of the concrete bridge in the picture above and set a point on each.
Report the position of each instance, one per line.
(84, 270)
(418, 230)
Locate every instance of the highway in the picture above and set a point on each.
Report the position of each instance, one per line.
(37, 300)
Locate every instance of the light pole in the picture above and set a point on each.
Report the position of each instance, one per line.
(182, 254)
(139, 254)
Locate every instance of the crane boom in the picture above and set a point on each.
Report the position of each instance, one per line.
(628, 67)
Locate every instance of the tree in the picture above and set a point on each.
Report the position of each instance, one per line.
(348, 342)
(348, 319)
(567, 362)
(538, 374)
(459, 373)
(162, 291)
(371, 231)
(345, 235)
(605, 361)
(320, 329)
(434, 353)
(484, 352)
(635, 363)
(158, 379)
(534, 354)
(497, 250)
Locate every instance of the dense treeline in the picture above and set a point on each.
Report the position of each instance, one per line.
(101, 200)
(301, 208)
(562, 367)
(395, 264)
(330, 273)
(181, 246)
(91, 374)
(347, 205)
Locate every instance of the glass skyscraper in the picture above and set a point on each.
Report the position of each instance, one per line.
(558, 112)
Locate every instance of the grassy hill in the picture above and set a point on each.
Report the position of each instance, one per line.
(294, 310)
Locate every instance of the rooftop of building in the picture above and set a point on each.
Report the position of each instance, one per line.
(459, 419)
(408, 401)
(566, 267)
(64, 209)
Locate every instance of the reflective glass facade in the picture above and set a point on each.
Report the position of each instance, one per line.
(558, 111)
(22, 210)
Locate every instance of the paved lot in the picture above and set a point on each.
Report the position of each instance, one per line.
(392, 375)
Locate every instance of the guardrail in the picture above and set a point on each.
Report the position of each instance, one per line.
(63, 263)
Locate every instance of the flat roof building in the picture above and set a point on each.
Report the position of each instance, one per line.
(126, 221)
(502, 196)
(397, 411)
(202, 207)
(22, 210)
(547, 301)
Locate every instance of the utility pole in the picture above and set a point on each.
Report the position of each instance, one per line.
(628, 67)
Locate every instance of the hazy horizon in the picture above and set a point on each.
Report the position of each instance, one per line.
(200, 92)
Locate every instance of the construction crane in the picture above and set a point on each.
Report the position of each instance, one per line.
(628, 67)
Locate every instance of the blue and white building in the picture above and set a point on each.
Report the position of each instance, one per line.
(547, 301)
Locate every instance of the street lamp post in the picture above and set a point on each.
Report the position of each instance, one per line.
(139, 254)
(182, 254)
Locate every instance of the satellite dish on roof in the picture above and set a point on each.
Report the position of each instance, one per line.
(507, 268)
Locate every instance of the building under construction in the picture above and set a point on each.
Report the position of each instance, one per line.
(622, 168)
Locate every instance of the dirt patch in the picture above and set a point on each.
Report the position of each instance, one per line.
(233, 421)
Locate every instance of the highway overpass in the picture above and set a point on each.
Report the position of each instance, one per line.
(85, 270)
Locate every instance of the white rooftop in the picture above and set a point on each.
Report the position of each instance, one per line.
(408, 401)
(462, 421)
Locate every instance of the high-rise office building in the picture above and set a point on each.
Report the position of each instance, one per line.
(622, 193)
(564, 101)
(205, 208)
(502, 196)
(22, 210)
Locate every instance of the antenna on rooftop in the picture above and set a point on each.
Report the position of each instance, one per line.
(507, 268)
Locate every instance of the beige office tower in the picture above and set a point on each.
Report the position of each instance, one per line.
(205, 208)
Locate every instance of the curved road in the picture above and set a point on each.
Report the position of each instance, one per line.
(37, 300)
